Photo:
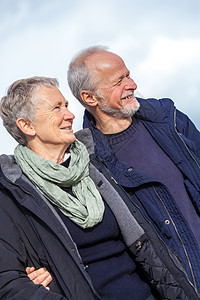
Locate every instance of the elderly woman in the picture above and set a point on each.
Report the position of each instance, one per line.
(60, 209)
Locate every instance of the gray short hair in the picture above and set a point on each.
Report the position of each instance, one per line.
(20, 102)
(78, 75)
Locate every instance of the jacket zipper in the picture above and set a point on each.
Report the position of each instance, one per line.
(177, 235)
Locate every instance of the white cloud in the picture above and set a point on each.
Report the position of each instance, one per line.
(167, 55)
(168, 63)
(171, 69)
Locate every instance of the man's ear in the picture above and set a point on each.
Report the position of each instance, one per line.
(89, 98)
(25, 126)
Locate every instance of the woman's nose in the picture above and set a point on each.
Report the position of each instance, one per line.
(68, 114)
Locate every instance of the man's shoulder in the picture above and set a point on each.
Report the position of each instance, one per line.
(155, 102)
(155, 109)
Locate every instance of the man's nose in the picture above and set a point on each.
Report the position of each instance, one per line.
(130, 84)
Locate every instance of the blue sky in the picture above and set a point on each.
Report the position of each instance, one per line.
(159, 41)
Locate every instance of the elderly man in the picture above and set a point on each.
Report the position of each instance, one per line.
(151, 149)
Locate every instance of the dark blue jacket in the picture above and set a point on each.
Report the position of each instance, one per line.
(179, 138)
(33, 234)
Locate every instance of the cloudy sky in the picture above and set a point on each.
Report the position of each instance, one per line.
(158, 39)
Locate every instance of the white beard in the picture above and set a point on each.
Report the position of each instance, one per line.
(123, 113)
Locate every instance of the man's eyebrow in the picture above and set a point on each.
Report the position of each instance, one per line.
(122, 76)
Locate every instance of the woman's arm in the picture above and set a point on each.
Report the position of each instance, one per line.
(14, 282)
(40, 276)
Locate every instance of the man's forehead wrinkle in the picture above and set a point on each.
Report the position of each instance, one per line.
(100, 67)
(102, 62)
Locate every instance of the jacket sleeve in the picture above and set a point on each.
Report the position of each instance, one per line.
(14, 282)
(188, 131)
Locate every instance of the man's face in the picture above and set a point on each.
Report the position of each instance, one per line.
(116, 89)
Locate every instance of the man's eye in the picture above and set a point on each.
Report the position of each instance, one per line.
(119, 82)
(57, 107)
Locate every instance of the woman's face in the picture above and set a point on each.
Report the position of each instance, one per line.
(53, 121)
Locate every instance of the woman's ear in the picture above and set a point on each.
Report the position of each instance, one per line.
(25, 126)
(89, 98)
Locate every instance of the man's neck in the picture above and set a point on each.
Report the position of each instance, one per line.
(110, 125)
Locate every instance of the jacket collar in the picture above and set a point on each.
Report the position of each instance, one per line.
(9, 168)
(85, 136)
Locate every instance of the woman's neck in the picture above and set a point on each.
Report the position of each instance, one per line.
(54, 154)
